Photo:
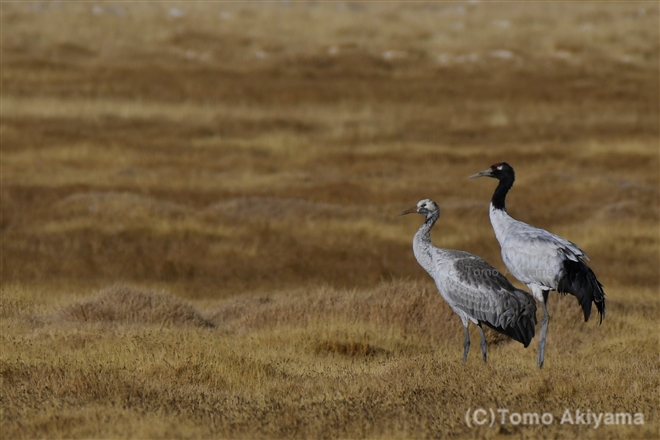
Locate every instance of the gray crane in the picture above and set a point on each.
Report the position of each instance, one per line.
(541, 260)
(474, 289)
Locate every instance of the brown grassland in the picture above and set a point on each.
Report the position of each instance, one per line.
(199, 215)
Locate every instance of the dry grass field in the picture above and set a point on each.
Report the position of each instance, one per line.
(199, 215)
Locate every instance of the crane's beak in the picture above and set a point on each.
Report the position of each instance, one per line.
(484, 173)
(412, 210)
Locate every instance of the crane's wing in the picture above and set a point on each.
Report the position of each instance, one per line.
(480, 291)
(536, 256)
(543, 241)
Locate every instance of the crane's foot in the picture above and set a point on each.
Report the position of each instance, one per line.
(541, 358)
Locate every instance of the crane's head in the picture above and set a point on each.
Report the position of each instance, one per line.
(424, 207)
(497, 171)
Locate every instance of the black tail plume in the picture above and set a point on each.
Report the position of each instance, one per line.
(579, 280)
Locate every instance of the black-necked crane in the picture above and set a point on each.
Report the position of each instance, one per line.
(474, 289)
(540, 259)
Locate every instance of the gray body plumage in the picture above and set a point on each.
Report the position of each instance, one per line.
(540, 259)
(475, 290)
(532, 255)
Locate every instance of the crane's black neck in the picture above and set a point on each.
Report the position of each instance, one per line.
(499, 196)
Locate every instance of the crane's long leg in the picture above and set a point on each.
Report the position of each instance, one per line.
(544, 329)
(466, 344)
(484, 344)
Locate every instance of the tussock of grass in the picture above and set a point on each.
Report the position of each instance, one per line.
(133, 306)
(349, 348)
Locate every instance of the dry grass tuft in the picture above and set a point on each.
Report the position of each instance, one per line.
(407, 307)
(133, 306)
(349, 349)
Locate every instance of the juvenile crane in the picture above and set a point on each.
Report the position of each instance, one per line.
(541, 260)
(474, 289)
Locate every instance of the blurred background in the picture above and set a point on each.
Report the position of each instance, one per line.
(220, 148)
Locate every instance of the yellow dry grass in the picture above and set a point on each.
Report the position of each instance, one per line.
(199, 200)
